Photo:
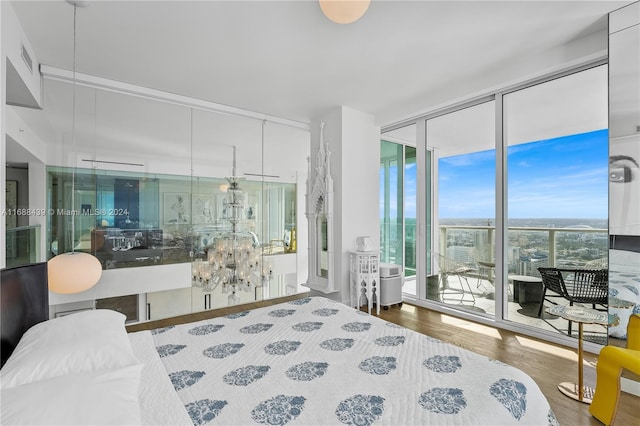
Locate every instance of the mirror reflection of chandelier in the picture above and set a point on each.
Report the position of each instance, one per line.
(234, 259)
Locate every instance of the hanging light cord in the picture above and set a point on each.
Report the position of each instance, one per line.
(191, 231)
(191, 147)
(73, 136)
(264, 124)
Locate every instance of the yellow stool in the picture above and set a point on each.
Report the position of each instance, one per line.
(611, 361)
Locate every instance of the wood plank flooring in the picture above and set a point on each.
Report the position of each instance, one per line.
(548, 364)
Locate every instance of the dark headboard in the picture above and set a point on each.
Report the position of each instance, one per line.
(24, 301)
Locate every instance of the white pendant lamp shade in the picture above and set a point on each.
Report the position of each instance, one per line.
(344, 11)
(73, 272)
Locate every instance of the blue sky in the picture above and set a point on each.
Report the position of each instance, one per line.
(565, 177)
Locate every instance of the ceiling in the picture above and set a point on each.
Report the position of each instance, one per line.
(285, 59)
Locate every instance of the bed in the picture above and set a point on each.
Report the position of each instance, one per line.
(310, 361)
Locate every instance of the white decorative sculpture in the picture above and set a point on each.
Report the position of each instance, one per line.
(319, 212)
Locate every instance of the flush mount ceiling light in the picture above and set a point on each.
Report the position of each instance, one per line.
(344, 11)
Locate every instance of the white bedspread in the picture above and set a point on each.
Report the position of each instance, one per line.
(316, 362)
(159, 403)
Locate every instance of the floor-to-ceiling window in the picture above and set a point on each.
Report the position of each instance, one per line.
(521, 174)
(391, 202)
(398, 203)
(410, 210)
(464, 144)
(557, 186)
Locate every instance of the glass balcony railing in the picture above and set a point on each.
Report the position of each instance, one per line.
(23, 245)
(528, 247)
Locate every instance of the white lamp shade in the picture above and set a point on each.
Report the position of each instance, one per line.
(344, 11)
(73, 272)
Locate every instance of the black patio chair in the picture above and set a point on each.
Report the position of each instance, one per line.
(575, 285)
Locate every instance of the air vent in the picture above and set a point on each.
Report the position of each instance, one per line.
(26, 58)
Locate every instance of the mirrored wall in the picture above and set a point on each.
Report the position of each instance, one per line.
(136, 219)
(624, 171)
(145, 183)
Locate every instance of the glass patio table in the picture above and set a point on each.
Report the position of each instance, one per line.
(582, 316)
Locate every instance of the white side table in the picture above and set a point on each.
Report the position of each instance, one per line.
(364, 279)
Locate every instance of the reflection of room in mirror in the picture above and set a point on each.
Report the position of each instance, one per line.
(323, 239)
(624, 171)
(175, 208)
(319, 206)
(203, 208)
(11, 203)
(624, 281)
(624, 186)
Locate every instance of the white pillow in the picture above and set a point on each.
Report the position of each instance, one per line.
(83, 342)
(107, 397)
(620, 331)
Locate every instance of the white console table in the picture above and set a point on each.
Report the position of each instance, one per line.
(364, 279)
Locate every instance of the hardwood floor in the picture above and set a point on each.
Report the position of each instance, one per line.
(548, 364)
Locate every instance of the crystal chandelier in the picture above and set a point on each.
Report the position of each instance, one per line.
(234, 259)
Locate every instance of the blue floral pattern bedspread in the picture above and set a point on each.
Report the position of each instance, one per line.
(314, 361)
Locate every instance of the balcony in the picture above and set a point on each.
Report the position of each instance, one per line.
(528, 248)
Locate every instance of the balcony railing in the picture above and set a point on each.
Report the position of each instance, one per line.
(528, 247)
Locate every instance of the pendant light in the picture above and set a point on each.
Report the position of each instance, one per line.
(73, 272)
(344, 11)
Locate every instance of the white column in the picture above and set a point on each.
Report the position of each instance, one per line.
(354, 143)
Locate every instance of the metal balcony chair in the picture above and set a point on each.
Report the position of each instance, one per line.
(588, 286)
(450, 268)
(484, 257)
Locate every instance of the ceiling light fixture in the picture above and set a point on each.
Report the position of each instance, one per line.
(344, 11)
(73, 272)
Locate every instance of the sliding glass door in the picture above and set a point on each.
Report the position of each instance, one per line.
(391, 202)
(464, 146)
(410, 210)
(506, 184)
(398, 203)
(557, 185)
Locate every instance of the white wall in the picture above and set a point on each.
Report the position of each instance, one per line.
(11, 42)
(13, 38)
(359, 191)
(354, 143)
(120, 282)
